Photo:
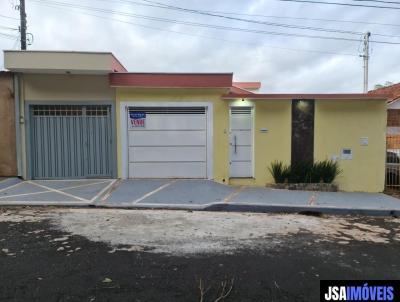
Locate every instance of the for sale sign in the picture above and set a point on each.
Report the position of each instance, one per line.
(137, 119)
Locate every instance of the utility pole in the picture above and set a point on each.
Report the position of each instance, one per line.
(365, 57)
(23, 23)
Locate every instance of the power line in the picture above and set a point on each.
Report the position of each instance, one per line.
(8, 17)
(9, 28)
(165, 6)
(201, 12)
(269, 16)
(208, 37)
(195, 24)
(7, 36)
(299, 18)
(293, 26)
(378, 1)
(344, 4)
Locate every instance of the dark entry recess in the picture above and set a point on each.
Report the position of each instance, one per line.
(302, 131)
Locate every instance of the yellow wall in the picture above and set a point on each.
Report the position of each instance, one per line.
(59, 87)
(220, 122)
(273, 115)
(271, 146)
(340, 124)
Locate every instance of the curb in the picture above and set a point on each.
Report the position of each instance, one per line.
(259, 208)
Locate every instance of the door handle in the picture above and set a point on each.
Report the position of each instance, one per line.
(234, 139)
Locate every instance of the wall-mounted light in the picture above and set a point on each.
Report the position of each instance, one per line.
(302, 105)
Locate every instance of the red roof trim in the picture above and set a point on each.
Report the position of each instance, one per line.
(116, 65)
(247, 85)
(172, 80)
(325, 96)
(236, 90)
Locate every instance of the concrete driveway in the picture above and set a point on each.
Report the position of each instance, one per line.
(190, 195)
(209, 195)
(14, 191)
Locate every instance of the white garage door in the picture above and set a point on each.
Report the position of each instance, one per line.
(167, 142)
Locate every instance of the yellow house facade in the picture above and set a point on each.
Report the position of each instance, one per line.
(101, 121)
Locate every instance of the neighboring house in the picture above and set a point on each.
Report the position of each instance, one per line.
(82, 115)
(393, 114)
(8, 153)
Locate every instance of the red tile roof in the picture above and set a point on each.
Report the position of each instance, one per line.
(247, 85)
(393, 91)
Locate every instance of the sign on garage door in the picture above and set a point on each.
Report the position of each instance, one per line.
(167, 142)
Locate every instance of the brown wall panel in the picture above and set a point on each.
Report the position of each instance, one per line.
(8, 158)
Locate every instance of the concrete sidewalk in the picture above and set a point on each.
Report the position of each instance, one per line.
(210, 196)
(188, 194)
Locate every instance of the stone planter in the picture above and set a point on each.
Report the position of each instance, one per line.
(323, 187)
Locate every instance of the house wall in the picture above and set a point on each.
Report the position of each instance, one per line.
(341, 124)
(52, 87)
(220, 119)
(58, 61)
(8, 157)
(270, 146)
(57, 88)
(275, 145)
(338, 124)
(393, 119)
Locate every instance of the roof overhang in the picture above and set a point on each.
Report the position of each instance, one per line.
(247, 85)
(59, 62)
(297, 96)
(171, 80)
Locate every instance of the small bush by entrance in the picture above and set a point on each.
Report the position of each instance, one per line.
(304, 174)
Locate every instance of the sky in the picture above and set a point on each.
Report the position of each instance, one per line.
(284, 64)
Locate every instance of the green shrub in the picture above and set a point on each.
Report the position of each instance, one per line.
(279, 172)
(300, 172)
(321, 171)
(328, 170)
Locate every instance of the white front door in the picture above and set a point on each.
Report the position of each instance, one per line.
(241, 142)
(167, 142)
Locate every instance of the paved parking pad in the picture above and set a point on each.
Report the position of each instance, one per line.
(209, 195)
(356, 200)
(130, 192)
(5, 183)
(272, 196)
(58, 192)
(190, 192)
(167, 193)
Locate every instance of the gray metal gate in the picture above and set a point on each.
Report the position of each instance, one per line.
(70, 141)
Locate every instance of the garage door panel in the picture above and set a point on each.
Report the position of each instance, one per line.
(168, 170)
(174, 122)
(163, 154)
(172, 143)
(70, 141)
(167, 138)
